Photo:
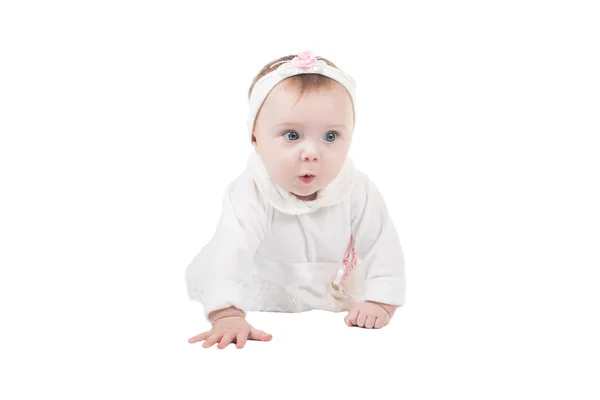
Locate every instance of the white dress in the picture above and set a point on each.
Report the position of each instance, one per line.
(274, 252)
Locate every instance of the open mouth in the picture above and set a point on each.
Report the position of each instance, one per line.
(307, 178)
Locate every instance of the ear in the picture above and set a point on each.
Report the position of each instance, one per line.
(254, 143)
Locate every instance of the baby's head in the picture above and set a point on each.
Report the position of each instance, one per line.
(303, 128)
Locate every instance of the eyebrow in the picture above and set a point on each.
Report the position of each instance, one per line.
(302, 126)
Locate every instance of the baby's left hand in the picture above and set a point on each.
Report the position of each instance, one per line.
(367, 315)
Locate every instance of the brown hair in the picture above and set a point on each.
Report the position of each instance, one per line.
(303, 82)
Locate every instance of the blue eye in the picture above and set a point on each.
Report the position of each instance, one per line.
(291, 135)
(330, 136)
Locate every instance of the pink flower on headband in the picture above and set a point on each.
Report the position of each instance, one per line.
(305, 60)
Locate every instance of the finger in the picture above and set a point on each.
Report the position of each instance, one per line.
(226, 340)
(351, 317)
(385, 320)
(347, 321)
(255, 334)
(370, 322)
(379, 323)
(360, 321)
(199, 338)
(241, 339)
(212, 340)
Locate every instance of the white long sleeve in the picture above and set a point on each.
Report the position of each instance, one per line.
(217, 275)
(274, 252)
(377, 245)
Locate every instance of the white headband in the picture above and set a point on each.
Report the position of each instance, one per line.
(305, 63)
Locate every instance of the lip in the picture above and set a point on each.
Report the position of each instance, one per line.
(308, 178)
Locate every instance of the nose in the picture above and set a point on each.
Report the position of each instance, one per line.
(310, 152)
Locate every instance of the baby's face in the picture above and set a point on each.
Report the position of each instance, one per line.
(304, 142)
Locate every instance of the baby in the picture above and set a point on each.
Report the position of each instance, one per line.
(301, 227)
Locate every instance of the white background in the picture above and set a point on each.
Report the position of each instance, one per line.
(122, 122)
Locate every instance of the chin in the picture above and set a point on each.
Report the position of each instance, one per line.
(305, 191)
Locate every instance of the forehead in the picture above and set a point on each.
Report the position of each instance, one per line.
(330, 102)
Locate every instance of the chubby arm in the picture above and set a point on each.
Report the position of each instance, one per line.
(217, 275)
(378, 247)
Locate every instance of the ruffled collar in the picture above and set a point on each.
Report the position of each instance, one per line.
(287, 203)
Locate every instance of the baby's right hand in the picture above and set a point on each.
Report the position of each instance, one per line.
(230, 330)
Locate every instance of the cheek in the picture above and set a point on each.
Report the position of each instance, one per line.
(337, 154)
(280, 160)
(285, 154)
(335, 160)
